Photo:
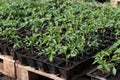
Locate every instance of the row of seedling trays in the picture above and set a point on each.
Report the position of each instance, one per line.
(59, 66)
(62, 68)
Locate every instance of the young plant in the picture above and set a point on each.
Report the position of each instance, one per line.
(32, 42)
(7, 34)
(49, 43)
(109, 59)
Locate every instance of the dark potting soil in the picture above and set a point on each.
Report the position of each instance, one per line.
(21, 52)
(106, 37)
(61, 56)
(78, 59)
(55, 61)
(99, 73)
(52, 66)
(41, 57)
(114, 77)
(66, 65)
(4, 77)
(117, 76)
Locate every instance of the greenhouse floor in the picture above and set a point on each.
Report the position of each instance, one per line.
(4, 77)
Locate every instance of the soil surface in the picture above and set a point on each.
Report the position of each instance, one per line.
(99, 73)
(117, 77)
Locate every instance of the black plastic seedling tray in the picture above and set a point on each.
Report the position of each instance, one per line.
(74, 69)
(96, 74)
(52, 66)
(31, 62)
(41, 63)
(21, 58)
(57, 66)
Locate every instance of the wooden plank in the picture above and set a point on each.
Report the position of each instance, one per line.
(1, 66)
(2, 56)
(114, 3)
(9, 58)
(22, 74)
(26, 69)
(7, 66)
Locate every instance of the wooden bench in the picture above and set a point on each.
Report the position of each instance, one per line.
(29, 73)
(7, 66)
(114, 3)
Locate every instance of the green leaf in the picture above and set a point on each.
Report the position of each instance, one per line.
(117, 51)
(106, 66)
(51, 58)
(100, 67)
(114, 71)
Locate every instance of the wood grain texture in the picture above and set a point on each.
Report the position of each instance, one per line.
(23, 71)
